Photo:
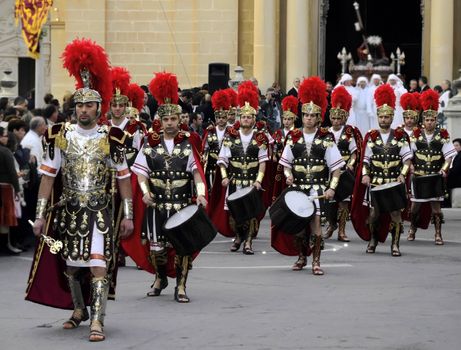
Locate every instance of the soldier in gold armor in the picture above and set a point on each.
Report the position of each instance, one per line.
(167, 167)
(348, 141)
(242, 161)
(433, 153)
(386, 158)
(312, 163)
(89, 159)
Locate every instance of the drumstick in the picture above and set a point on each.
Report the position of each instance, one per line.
(317, 197)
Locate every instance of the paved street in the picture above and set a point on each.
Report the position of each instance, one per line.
(257, 302)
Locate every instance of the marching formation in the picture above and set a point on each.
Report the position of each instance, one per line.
(112, 186)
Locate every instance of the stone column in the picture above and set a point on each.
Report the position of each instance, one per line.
(297, 43)
(441, 46)
(42, 69)
(264, 43)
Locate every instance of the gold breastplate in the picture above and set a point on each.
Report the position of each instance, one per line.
(85, 165)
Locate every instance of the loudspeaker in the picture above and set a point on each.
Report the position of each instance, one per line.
(218, 76)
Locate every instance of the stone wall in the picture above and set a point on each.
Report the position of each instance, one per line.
(181, 36)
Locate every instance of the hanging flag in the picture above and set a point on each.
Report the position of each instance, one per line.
(33, 15)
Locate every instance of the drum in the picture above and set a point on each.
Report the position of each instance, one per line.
(428, 186)
(345, 186)
(292, 211)
(189, 230)
(389, 197)
(245, 204)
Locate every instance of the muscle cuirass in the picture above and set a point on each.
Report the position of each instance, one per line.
(86, 175)
(243, 165)
(343, 145)
(385, 162)
(213, 151)
(131, 152)
(170, 182)
(309, 168)
(428, 158)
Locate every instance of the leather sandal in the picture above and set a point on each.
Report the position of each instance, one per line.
(317, 271)
(180, 298)
(155, 292)
(299, 264)
(343, 238)
(235, 246)
(396, 251)
(438, 240)
(247, 250)
(96, 333)
(73, 322)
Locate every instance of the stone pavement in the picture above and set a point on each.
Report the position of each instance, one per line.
(256, 302)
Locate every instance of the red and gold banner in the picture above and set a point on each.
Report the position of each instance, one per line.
(33, 15)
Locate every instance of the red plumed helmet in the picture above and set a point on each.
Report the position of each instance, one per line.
(340, 98)
(290, 103)
(220, 100)
(120, 79)
(430, 100)
(250, 96)
(384, 95)
(409, 101)
(136, 96)
(233, 98)
(164, 88)
(417, 100)
(247, 84)
(88, 63)
(314, 89)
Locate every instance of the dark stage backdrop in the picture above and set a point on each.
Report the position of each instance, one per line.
(397, 22)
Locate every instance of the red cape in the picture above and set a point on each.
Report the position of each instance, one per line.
(47, 283)
(360, 212)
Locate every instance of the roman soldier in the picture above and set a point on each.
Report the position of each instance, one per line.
(312, 163)
(290, 110)
(349, 140)
(122, 115)
(242, 162)
(386, 158)
(171, 177)
(411, 109)
(233, 114)
(82, 167)
(214, 135)
(433, 153)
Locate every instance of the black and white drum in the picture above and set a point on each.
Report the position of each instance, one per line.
(345, 186)
(428, 186)
(245, 204)
(292, 211)
(389, 197)
(189, 230)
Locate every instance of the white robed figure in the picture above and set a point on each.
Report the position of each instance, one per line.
(397, 84)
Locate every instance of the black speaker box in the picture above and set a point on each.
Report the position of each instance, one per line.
(218, 76)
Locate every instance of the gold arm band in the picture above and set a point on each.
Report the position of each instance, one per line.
(351, 162)
(200, 187)
(405, 169)
(128, 208)
(446, 166)
(223, 172)
(334, 182)
(260, 177)
(365, 171)
(287, 172)
(40, 211)
(144, 188)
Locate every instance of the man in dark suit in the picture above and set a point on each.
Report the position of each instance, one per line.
(294, 90)
(423, 84)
